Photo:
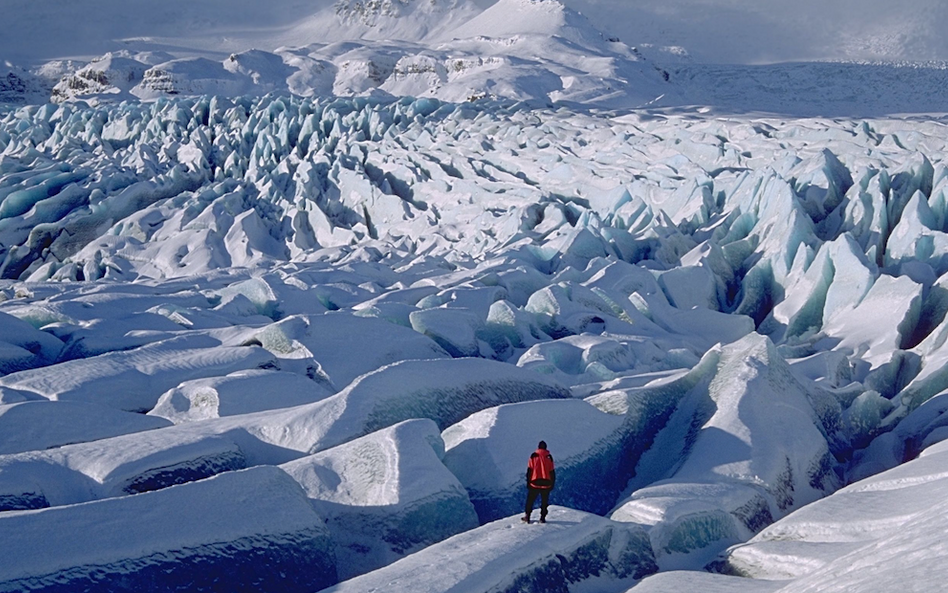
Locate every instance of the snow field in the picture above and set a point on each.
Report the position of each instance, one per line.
(451, 50)
(858, 60)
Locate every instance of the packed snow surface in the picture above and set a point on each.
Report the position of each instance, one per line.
(509, 556)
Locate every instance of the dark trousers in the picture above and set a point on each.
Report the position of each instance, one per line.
(532, 494)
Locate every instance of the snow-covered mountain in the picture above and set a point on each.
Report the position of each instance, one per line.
(600, 54)
(289, 292)
(451, 49)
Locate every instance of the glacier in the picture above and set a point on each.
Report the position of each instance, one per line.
(294, 317)
(715, 324)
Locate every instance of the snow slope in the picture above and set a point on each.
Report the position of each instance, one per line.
(40, 424)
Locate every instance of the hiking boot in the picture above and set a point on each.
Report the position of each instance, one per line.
(542, 520)
(526, 519)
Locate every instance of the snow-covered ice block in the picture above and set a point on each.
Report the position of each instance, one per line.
(880, 324)
(922, 427)
(575, 246)
(475, 298)
(385, 495)
(14, 396)
(252, 528)
(566, 308)
(917, 237)
(37, 425)
(134, 380)
(853, 275)
(783, 559)
(590, 357)
(689, 287)
(507, 556)
(893, 520)
(106, 334)
(932, 378)
(745, 447)
(14, 358)
(397, 313)
(489, 450)
(445, 391)
(621, 279)
(829, 367)
(508, 328)
(23, 347)
(344, 345)
(237, 393)
(676, 581)
(700, 328)
(699, 519)
(521, 282)
(454, 329)
(127, 464)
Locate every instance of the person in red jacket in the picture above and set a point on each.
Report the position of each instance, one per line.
(541, 477)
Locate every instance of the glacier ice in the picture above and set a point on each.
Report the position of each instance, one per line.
(343, 346)
(444, 391)
(746, 314)
(42, 424)
(248, 526)
(751, 444)
(23, 347)
(134, 380)
(506, 556)
(686, 580)
(114, 466)
(237, 393)
(488, 452)
(385, 495)
(893, 517)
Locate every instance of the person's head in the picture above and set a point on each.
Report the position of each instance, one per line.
(542, 445)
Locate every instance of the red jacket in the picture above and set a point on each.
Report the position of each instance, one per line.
(540, 471)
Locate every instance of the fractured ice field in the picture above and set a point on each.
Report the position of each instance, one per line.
(292, 344)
